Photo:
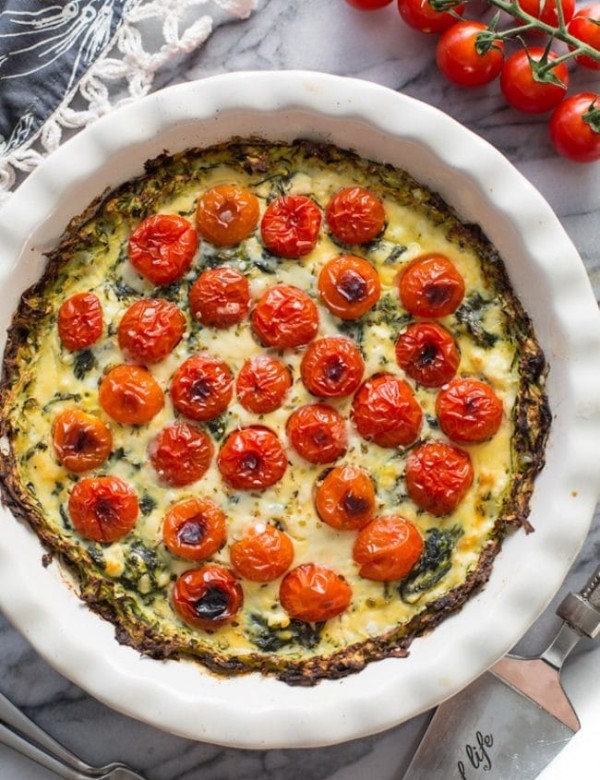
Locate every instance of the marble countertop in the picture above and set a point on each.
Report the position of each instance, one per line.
(329, 36)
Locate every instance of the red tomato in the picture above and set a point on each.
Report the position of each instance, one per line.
(368, 5)
(385, 411)
(252, 459)
(103, 509)
(262, 554)
(460, 58)
(220, 297)
(318, 433)
(431, 286)
(428, 354)
(202, 387)
(387, 548)
(180, 454)
(421, 16)
(345, 498)
(150, 330)
(130, 395)
(349, 286)
(227, 214)
(162, 248)
(585, 26)
(523, 91)
(575, 127)
(468, 410)
(546, 11)
(332, 367)
(355, 215)
(81, 441)
(285, 317)
(262, 384)
(79, 321)
(314, 593)
(438, 476)
(194, 528)
(207, 598)
(290, 226)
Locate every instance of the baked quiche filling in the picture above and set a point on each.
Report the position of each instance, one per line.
(275, 406)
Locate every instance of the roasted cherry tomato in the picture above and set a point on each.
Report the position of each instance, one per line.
(252, 458)
(526, 93)
(262, 384)
(575, 127)
(194, 528)
(419, 15)
(355, 215)
(150, 330)
(220, 297)
(207, 598)
(546, 11)
(468, 410)
(262, 554)
(290, 226)
(332, 367)
(202, 387)
(438, 476)
(130, 395)
(318, 433)
(227, 214)
(349, 286)
(285, 317)
(387, 548)
(462, 59)
(103, 509)
(386, 412)
(428, 354)
(368, 5)
(585, 26)
(180, 454)
(314, 593)
(80, 321)
(431, 286)
(162, 248)
(81, 441)
(345, 498)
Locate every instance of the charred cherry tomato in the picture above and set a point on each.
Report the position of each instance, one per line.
(345, 498)
(150, 330)
(349, 286)
(461, 59)
(355, 215)
(180, 454)
(332, 367)
(208, 597)
(227, 214)
(420, 15)
(262, 554)
(252, 459)
(526, 93)
(585, 26)
(80, 321)
(438, 476)
(194, 528)
(81, 441)
(220, 297)
(387, 548)
(385, 411)
(103, 509)
(318, 433)
(290, 226)
(314, 593)
(428, 354)
(162, 248)
(285, 317)
(262, 384)
(431, 287)
(202, 387)
(468, 410)
(575, 127)
(130, 395)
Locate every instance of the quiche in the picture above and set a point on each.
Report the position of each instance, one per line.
(274, 407)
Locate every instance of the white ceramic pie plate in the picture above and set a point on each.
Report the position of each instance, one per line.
(547, 274)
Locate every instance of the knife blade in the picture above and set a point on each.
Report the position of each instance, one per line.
(513, 720)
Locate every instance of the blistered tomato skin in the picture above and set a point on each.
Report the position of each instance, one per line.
(431, 286)
(386, 412)
(290, 226)
(130, 395)
(262, 384)
(103, 509)
(438, 476)
(208, 597)
(314, 593)
(318, 433)
(227, 214)
(220, 297)
(195, 529)
(79, 321)
(285, 317)
(332, 367)
(262, 554)
(162, 247)
(150, 330)
(469, 411)
(345, 498)
(387, 548)
(349, 286)
(427, 353)
(180, 454)
(355, 215)
(81, 441)
(202, 387)
(252, 458)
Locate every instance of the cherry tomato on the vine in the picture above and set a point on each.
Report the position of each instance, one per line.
(220, 297)
(427, 353)
(262, 384)
(150, 330)
(194, 528)
(355, 215)
(252, 458)
(202, 387)
(523, 90)
(180, 453)
(79, 321)
(318, 433)
(368, 5)
(130, 395)
(420, 15)
(81, 441)
(227, 214)
(262, 554)
(314, 593)
(162, 247)
(546, 11)
(349, 286)
(575, 127)
(431, 286)
(208, 597)
(290, 225)
(345, 497)
(437, 477)
(332, 367)
(585, 26)
(285, 317)
(387, 548)
(465, 59)
(385, 411)
(103, 509)
(468, 410)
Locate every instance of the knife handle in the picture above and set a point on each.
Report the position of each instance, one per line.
(582, 610)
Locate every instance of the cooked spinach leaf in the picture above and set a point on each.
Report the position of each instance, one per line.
(434, 564)
(272, 638)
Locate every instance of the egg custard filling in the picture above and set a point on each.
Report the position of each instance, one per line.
(275, 407)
